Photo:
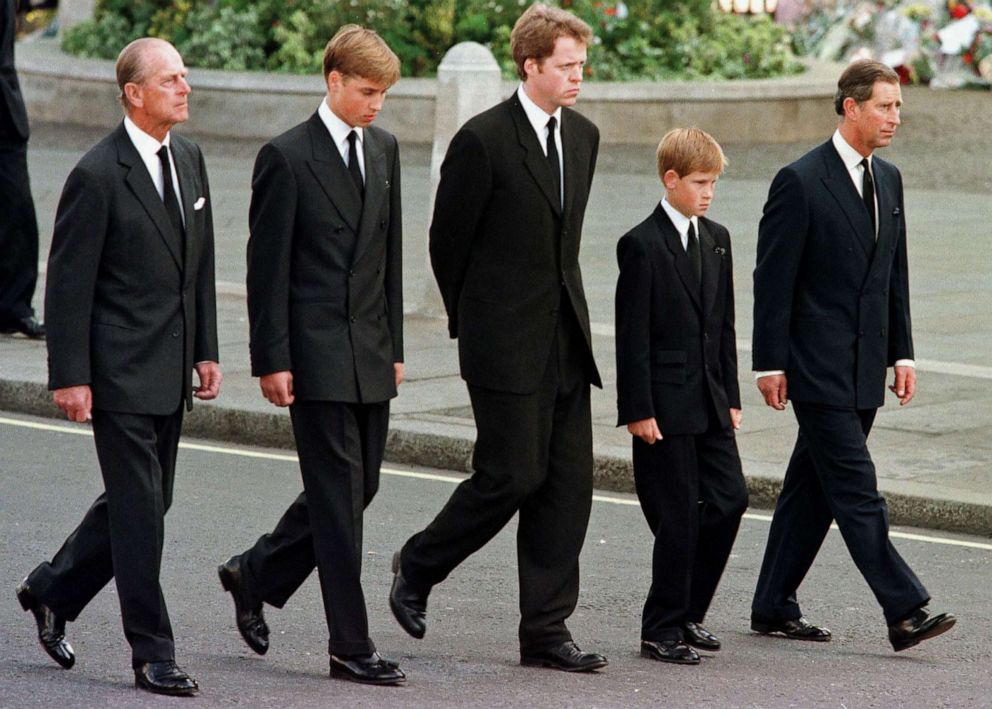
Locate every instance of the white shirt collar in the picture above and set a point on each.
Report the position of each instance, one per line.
(848, 155)
(338, 129)
(680, 221)
(145, 144)
(536, 115)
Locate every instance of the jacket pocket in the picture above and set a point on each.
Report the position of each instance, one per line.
(668, 366)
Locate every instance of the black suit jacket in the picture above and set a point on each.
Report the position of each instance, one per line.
(831, 305)
(504, 251)
(676, 344)
(325, 293)
(13, 116)
(129, 311)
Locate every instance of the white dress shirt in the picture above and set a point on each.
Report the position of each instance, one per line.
(148, 148)
(681, 222)
(339, 131)
(539, 122)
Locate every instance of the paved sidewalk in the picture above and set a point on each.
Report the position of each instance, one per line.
(934, 458)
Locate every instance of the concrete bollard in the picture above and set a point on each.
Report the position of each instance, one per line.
(72, 12)
(469, 82)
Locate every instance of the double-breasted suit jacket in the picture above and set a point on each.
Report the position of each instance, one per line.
(504, 250)
(832, 303)
(130, 305)
(676, 343)
(325, 295)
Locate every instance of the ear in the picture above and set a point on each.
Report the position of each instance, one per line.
(670, 179)
(849, 107)
(532, 66)
(133, 93)
(334, 80)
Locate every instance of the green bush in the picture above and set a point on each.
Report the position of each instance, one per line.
(645, 40)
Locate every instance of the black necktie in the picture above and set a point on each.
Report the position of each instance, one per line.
(169, 194)
(692, 249)
(553, 158)
(353, 168)
(868, 194)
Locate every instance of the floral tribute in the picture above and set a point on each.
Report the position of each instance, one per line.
(943, 44)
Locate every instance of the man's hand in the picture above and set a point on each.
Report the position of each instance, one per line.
(278, 387)
(775, 389)
(736, 416)
(398, 373)
(905, 384)
(210, 376)
(645, 429)
(76, 402)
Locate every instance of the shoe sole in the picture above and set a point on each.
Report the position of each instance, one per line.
(936, 630)
(397, 610)
(227, 584)
(704, 648)
(22, 598)
(527, 662)
(348, 677)
(167, 692)
(671, 661)
(765, 629)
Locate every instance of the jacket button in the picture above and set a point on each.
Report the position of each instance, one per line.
(175, 333)
(338, 229)
(382, 224)
(354, 319)
(351, 273)
(554, 311)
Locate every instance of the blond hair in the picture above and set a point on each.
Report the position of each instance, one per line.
(357, 51)
(688, 150)
(535, 32)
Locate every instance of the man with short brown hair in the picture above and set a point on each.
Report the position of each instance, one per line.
(325, 308)
(831, 313)
(131, 314)
(504, 246)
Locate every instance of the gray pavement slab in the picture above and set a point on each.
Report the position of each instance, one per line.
(936, 449)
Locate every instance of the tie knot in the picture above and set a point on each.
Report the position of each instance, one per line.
(865, 164)
(352, 137)
(552, 122)
(163, 154)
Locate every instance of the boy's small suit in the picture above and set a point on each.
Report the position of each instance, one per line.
(677, 362)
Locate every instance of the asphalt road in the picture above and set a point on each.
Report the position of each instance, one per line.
(226, 496)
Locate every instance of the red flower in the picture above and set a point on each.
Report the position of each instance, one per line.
(968, 58)
(905, 77)
(959, 10)
(610, 11)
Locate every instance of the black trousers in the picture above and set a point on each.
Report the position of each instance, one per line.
(122, 534)
(533, 455)
(693, 494)
(831, 477)
(340, 447)
(18, 235)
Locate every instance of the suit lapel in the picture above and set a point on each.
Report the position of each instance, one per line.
(673, 241)
(332, 174)
(712, 261)
(376, 189)
(186, 172)
(140, 182)
(838, 182)
(888, 214)
(534, 158)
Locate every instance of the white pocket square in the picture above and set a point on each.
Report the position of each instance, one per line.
(199, 203)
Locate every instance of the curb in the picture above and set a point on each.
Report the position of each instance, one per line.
(454, 452)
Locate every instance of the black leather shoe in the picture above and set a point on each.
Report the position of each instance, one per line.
(28, 326)
(164, 678)
(798, 629)
(919, 627)
(250, 621)
(565, 656)
(699, 637)
(51, 627)
(674, 651)
(366, 669)
(409, 606)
